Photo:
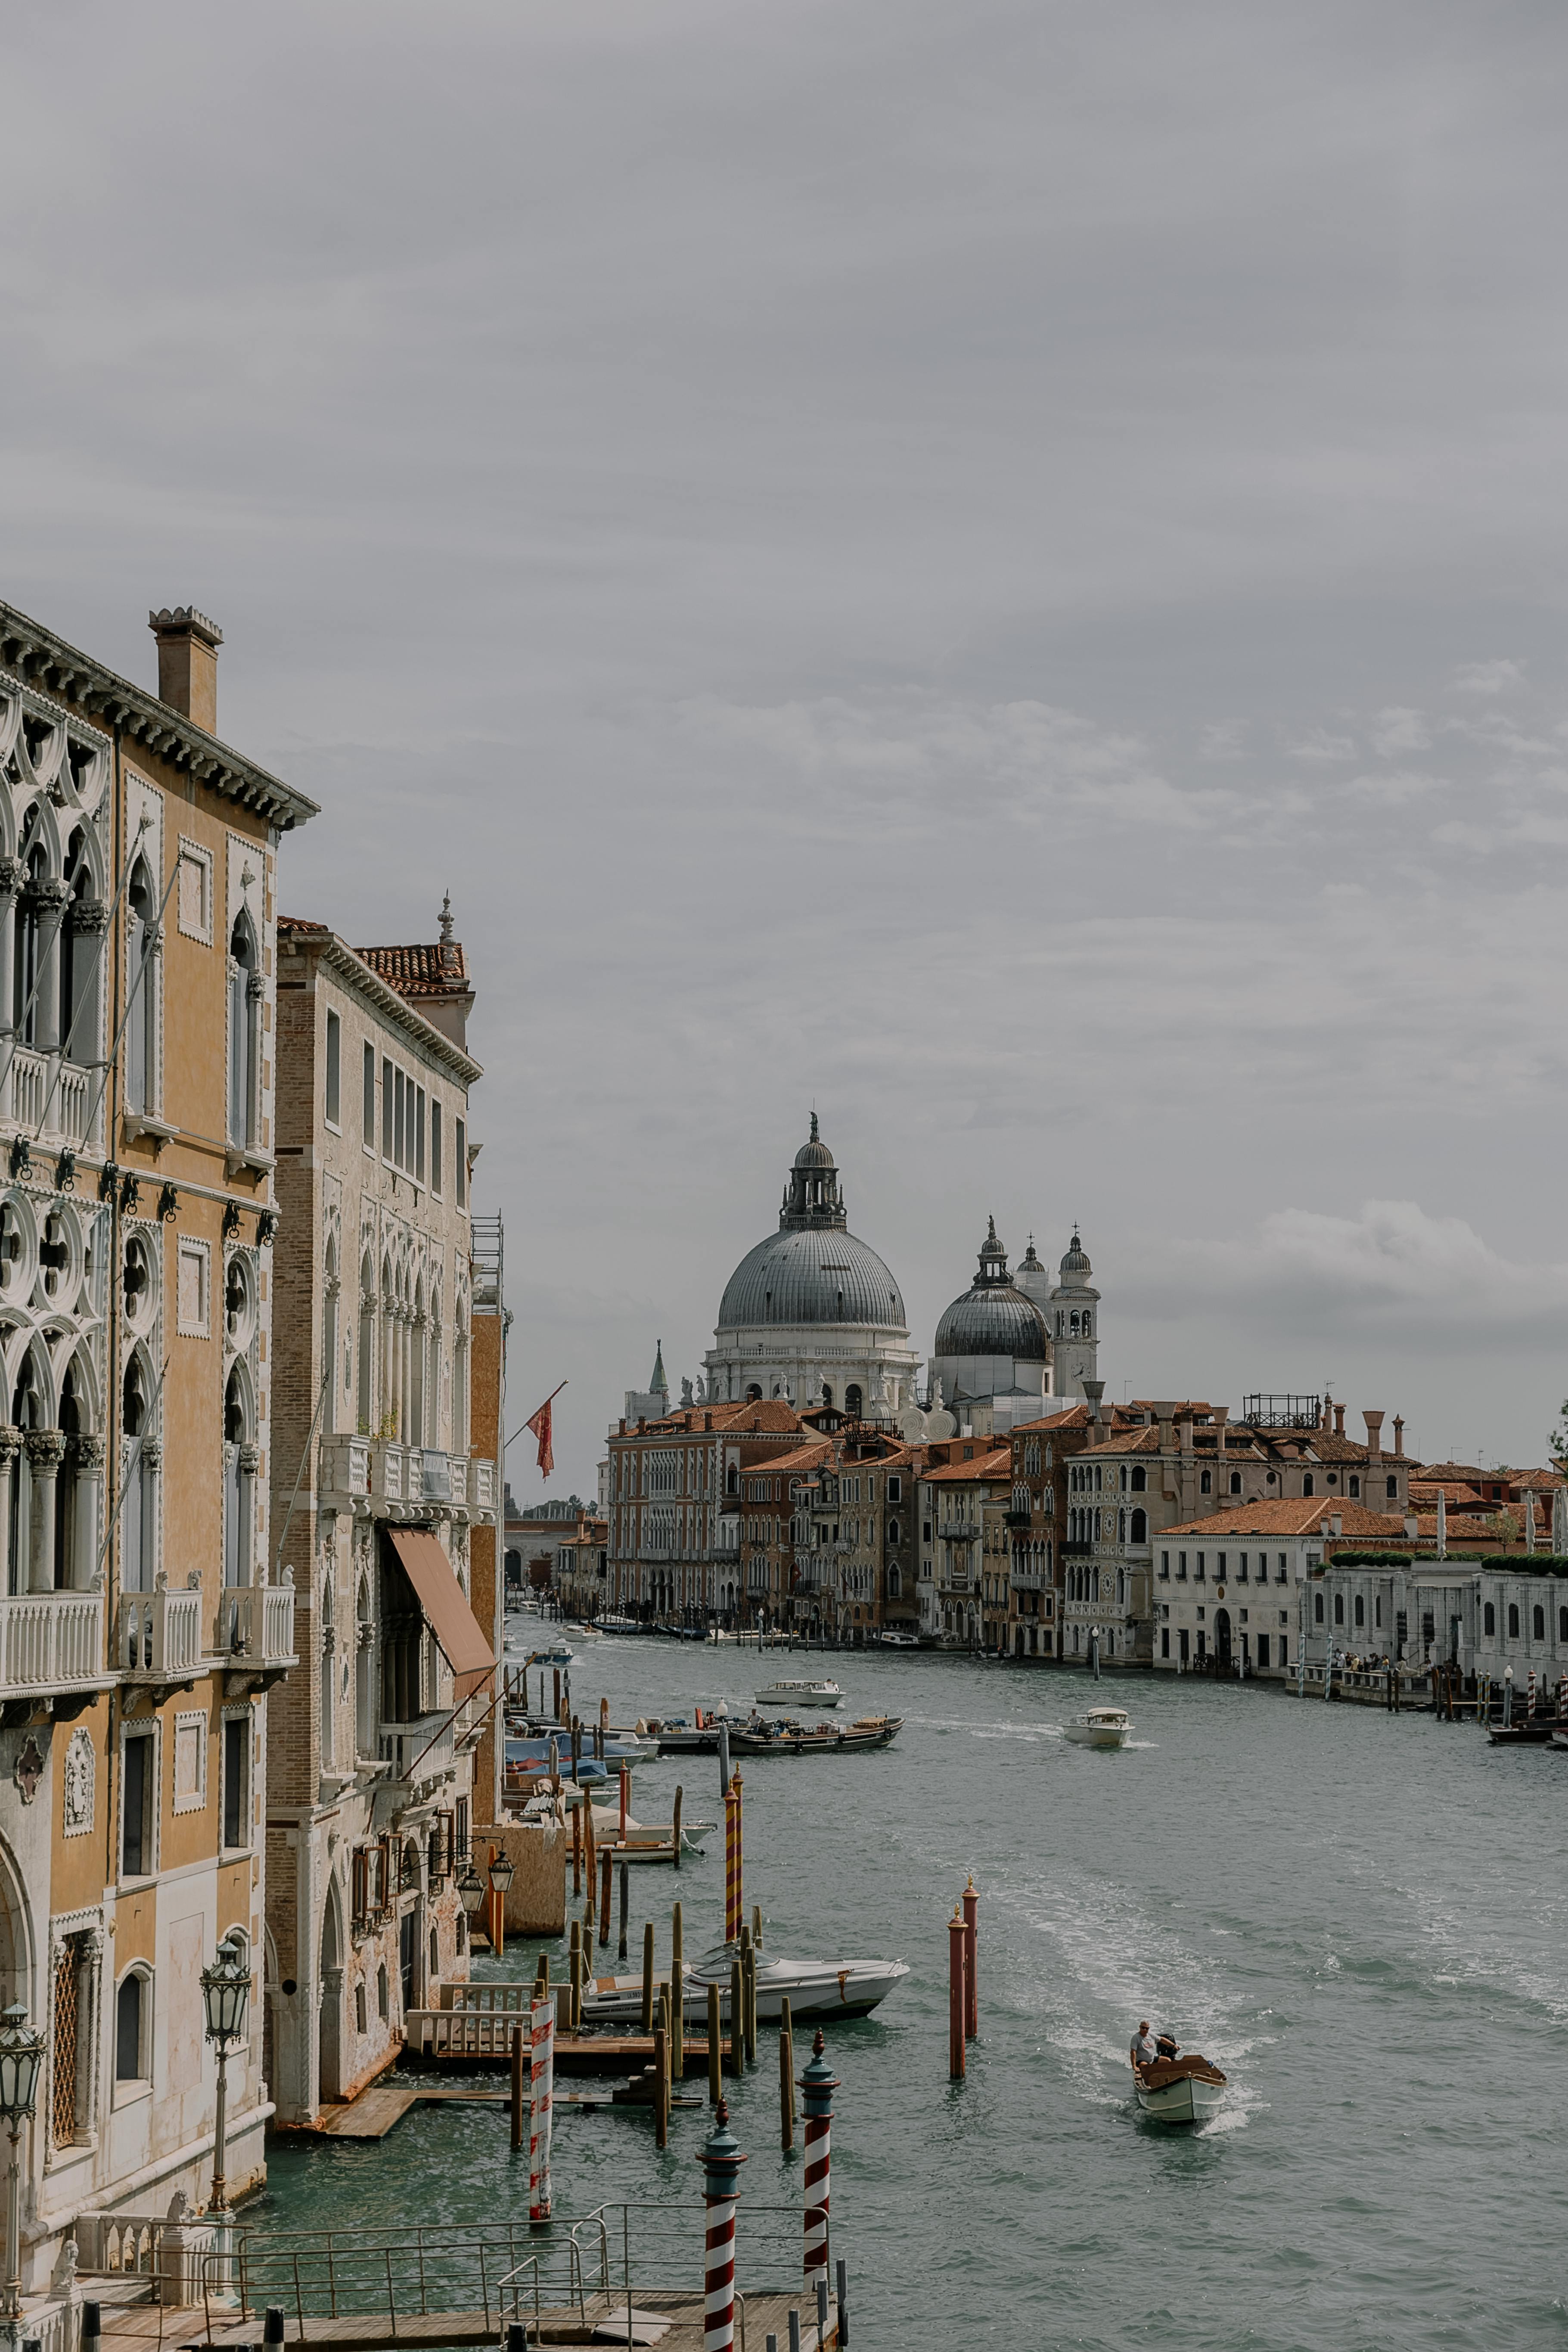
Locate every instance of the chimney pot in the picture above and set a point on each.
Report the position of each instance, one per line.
(1412, 1527)
(1373, 1435)
(187, 663)
(1339, 1420)
(1399, 1435)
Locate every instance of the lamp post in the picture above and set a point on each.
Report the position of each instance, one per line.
(225, 1993)
(471, 1891)
(21, 2056)
(502, 1871)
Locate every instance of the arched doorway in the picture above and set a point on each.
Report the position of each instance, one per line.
(1222, 1639)
(330, 2068)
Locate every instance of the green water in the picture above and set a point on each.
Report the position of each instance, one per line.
(1361, 1918)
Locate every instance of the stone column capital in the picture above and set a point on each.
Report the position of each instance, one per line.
(10, 1446)
(90, 1454)
(46, 1450)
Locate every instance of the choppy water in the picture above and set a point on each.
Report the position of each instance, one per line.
(1362, 1919)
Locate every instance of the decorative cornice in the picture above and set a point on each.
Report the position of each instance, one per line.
(311, 939)
(46, 660)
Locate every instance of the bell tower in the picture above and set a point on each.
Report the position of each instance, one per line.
(1074, 1318)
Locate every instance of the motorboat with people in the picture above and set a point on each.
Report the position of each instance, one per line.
(1171, 2088)
(1100, 1727)
(813, 1988)
(790, 1738)
(553, 1653)
(809, 1691)
(695, 1734)
(890, 1640)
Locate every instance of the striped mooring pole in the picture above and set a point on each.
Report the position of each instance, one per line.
(542, 2087)
(733, 1904)
(818, 2086)
(720, 2160)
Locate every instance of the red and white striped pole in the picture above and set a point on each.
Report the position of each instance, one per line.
(541, 2037)
(818, 2086)
(1530, 1697)
(720, 2160)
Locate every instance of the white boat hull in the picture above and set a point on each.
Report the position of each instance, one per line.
(813, 1988)
(1097, 1734)
(1186, 2102)
(793, 1694)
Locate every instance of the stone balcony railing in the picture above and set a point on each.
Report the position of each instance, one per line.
(256, 1625)
(374, 1477)
(1026, 1579)
(958, 1530)
(160, 1634)
(48, 1097)
(51, 1644)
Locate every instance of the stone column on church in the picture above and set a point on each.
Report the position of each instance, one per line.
(12, 877)
(12, 1573)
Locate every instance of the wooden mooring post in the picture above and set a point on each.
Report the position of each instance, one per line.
(626, 1903)
(647, 1977)
(676, 1826)
(606, 1863)
(715, 2049)
(971, 1962)
(786, 2077)
(660, 2089)
(737, 2009)
(678, 1994)
(576, 1851)
(956, 1934)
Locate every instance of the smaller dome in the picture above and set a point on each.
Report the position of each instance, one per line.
(815, 1153)
(1076, 1258)
(993, 1318)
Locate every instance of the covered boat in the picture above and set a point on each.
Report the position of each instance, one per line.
(1100, 1727)
(815, 1988)
(819, 1690)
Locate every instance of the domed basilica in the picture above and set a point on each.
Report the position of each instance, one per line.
(1014, 1347)
(812, 1313)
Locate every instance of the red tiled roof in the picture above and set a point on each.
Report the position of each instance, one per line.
(1293, 1516)
(998, 1465)
(439, 969)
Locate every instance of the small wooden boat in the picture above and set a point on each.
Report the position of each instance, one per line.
(1102, 1727)
(817, 1691)
(1179, 2090)
(1524, 1731)
(822, 1739)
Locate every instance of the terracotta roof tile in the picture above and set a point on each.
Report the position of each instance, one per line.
(1292, 1515)
(440, 969)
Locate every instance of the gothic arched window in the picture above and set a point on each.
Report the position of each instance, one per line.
(141, 1027)
(244, 1021)
(239, 1466)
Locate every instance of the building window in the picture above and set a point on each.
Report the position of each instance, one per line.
(1538, 1624)
(1205, 1482)
(1359, 1610)
(1236, 1482)
(1339, 1608)
(141, 1028)
(359, 2005)
(245, 990)
(194, 894)
(1355, 1488)
(1488, 1620)
(368, 1114)
(436, 1147)
(139, 1798)
(1165, 1563)
(1513, 1621)
(895, 1488)
(1307, 1486)
(133, 2016)
(892, 1531)
(237, 1779)
(1318, 1608)
(382, 1991)
(460, 1161)
(1391, 1488)
(1562, 1624)
(334, 1070)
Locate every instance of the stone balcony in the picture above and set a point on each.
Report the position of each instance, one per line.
(51, 1651)
(50, 1099)
(256, 1634)
(1026, 1579)
(159, 1641)
(958, 1530)
(374, 1477)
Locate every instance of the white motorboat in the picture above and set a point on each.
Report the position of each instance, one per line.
(554, 1653)
(1179, 2090)
(813, 1988)
(900, 1642)
(817, 1692)
(1102, 1727)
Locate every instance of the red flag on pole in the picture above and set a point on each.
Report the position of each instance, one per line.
(540, 1424)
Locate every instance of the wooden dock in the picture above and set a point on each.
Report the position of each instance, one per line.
(674, 2322)
(374, 2114)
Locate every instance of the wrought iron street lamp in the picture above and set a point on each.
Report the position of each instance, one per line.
(225, 1993)
(21, 2057)
(503, 1870)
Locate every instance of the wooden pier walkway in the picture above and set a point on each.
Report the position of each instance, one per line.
(374, 2114)
(674, 2322)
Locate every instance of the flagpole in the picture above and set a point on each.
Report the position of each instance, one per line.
(516, 1433)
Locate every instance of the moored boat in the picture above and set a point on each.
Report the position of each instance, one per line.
(1524, 1731)
(813, 1691)
(1179, 2090)
(788, 1738)
(813, 1988)
(1100, 1727)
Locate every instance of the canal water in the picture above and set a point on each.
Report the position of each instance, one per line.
(1361, 1918)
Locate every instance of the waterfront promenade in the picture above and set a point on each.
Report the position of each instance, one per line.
(1360, 1917)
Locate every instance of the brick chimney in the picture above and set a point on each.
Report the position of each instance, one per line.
(1094, 1391)
(187, 663)
(1399, 1436)
(1373, 1435)
(1221, 1416)
(1339, 1420)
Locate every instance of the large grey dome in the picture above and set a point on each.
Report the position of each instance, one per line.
(812, 1275)
(993, 1318)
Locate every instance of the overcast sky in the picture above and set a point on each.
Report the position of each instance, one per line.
(997, 568)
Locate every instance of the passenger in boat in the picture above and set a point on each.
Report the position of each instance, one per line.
(1166, 2046)
(1142, 2051)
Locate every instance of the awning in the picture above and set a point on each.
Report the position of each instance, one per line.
(457, 1630)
